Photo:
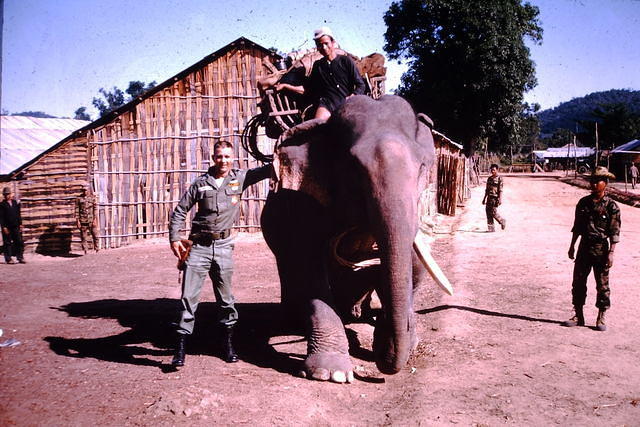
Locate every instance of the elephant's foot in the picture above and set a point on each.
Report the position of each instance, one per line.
(331, 366)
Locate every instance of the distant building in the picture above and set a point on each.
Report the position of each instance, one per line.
(24, 138)
(621, 157)
(140, 158)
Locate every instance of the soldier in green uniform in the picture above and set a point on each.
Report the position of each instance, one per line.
(597, 222)
(86, 219)
(493, 198)
(217, 194)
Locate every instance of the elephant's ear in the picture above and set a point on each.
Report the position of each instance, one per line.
(301, 133)
(296, 171)
(425, 119)
(424, 139)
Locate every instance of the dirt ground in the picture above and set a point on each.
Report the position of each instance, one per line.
(95, 336)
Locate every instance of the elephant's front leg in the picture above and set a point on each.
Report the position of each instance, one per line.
(327, 348)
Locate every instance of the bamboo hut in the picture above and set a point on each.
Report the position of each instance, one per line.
(139, 159)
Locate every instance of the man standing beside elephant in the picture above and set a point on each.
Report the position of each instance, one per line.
(217, 194)
(333, 79)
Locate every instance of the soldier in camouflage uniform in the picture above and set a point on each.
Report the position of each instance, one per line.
(217, 194)
(597, 222)
(493, 198)
(85, 218)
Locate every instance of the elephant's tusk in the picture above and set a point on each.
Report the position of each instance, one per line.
(421, 246)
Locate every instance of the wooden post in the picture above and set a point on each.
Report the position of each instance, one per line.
(597, 151)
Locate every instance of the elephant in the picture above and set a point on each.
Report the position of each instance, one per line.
(349, 188)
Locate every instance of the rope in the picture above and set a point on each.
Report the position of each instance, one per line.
(249, 138)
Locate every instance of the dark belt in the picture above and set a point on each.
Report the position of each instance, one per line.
(207, 237)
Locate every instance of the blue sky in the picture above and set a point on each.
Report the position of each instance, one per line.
(57, 54)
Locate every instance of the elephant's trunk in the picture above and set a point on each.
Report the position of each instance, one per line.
(394, 187)
(395, 328)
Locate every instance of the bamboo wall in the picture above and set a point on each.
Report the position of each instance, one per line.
(47, 191)
(144, 160)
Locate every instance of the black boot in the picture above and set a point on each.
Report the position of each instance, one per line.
(178, 358)
(577, 319)
(228, 353)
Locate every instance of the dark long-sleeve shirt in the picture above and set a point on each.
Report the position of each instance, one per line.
(10, 214)
(331, 82)
(597, 221)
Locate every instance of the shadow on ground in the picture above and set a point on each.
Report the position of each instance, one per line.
(487, 313)
(151, 335)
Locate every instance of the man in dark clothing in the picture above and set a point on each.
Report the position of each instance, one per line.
(333, 79)
(217, 194)
(493, 198)
(11, 223)
(597, 222)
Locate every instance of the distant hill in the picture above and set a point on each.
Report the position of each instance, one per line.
(565, 115)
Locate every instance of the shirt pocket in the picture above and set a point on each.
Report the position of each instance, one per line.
(232, 195)
(207, 201)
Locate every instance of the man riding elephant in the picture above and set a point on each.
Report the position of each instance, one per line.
(333, 79)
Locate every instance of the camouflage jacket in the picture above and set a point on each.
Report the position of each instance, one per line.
(494, 187)
(597, 221)
(85, 209)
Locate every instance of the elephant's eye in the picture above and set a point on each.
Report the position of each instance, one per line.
(284, 161)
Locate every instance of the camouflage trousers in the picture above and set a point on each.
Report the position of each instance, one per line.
(591, 255)
(85, 231)
(492, 212)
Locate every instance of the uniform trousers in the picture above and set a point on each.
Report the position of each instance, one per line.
(591, 255)
(87, 229)
(491, 208)
(216, 260)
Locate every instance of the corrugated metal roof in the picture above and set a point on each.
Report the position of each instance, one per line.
(630, 147)
(23, 138)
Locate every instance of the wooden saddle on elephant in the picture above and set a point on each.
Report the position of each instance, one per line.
(280, 111)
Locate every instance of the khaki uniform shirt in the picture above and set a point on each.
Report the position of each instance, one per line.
(218, 207)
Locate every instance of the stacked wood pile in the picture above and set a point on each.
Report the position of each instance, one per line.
(139, 159)
(453, 175)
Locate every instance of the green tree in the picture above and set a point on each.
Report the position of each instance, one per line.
(115, 98)
(559, 138)
(110, 100)
(468, 64)
(81, 114)
(137, 88)
(617, 124)
(38, 114)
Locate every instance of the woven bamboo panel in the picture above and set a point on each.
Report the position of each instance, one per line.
(47, 191)
(143, 161)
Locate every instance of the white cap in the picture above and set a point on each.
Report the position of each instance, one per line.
(322, 31)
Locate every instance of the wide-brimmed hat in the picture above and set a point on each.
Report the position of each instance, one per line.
(602, 172)
(6, 190)
(322, 31)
